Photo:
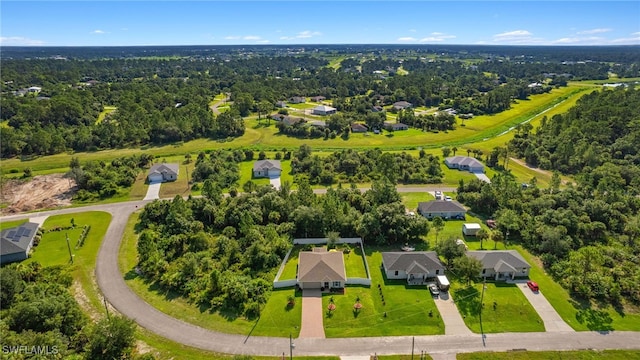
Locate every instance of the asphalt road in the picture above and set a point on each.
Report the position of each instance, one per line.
(113, 287)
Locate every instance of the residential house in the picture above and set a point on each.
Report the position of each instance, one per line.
(416, 267)
(323, 110)
(401, 105)
(281, 104)
(267, 168)
(464, 163)
(377, 108)
(442, 208)
(16, 242)
(34, 89)
(163, 173)
(318, 123)
(286, 119)
(501, 264)
(297, 100)
(318, 98)
(395, 126)
(359, 128)
(321, 269)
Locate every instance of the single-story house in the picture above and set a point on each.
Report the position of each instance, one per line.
(323, 110)
(417, 267)
(16, 242)
(34, 89)
(442, 208)
(286, 119)
(501, 264)
(401, 105)
(377, 108)
(321, 269)
(297, 100)
(395, 126)
(163, 173)
(465, 163)
(318, 98)
(471, 229)
(281, 104)
(359, 128)
(267, 168)
(318, 123)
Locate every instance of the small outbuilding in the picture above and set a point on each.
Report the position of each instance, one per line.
(471, 229)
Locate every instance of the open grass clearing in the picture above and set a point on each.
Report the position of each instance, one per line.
(503, 308)
(354, 263)
(407, 308)
(275, 310)
(552, 355)
(581, 315)
(290, 270)
(411, 200)
(105, 111)
(180, 186)
(10, 224)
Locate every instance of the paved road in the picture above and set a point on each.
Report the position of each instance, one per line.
(116, 291)
(552, 321)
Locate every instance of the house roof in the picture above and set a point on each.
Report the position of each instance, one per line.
(318, 123)
(423, 261)
(321, 266)
(324, 108)
(164, 169)
(356, 126)
(402, 104)
(464, 160)
(500, 260)
(440, 206)
(395, 125)
(17, 239)
(472, 226)
(267, 165)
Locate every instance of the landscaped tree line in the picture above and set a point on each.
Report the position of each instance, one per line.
(222, 252)
(588, 234)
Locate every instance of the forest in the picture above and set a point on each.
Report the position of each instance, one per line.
(161, 100)
(588, 233)
(222, 252)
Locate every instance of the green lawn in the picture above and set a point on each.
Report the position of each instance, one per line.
(290, 270)
(580, 316)
(512, 311)
(181, 185)
(180, 308)
(553, 355)
(354, 263)
(105, 112)
(139, 187)
(407, 308)
(453, 230)
(246, 174)
(411, 199)
(10, 224)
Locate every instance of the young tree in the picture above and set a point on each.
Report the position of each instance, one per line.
(450, 250)
(446, 151)
(482, 235)
(111, 338)
(438, 225)
(467, 267)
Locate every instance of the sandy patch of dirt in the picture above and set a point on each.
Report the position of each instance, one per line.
(83, 301)
(41, 192)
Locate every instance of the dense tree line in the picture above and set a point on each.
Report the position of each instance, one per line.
(222, 252)
(350, 166)
(40, 315)
(588, 235)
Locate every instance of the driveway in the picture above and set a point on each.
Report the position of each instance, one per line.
(153, 192)
(275, 182)
(482, 177)
(453, 323)
(312, 324)
(552, 321)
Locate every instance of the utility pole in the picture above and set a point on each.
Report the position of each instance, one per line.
(291, 346)
(106, 308)
(481, 306)
(413, 344)
(69, 247)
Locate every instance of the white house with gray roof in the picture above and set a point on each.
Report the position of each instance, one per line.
(417, 267)
(501, 264)
(442, 208)
(16, 242)
(267, 168)
(321, 269)
(163, 173)
(464, 163)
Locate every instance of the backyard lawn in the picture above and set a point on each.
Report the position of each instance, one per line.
(504, 308)
(290, 270)
(407, 308)
(354, 263)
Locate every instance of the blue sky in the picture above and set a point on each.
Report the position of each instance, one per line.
(119, 23)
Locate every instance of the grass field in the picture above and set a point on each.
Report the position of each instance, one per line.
(10, 224)
(407, 308)
(290, 270)
(552, 355)
(106, 111)
(354, 263)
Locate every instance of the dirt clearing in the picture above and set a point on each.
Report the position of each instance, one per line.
(40, 192)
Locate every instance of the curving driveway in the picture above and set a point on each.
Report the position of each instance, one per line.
(116, 291)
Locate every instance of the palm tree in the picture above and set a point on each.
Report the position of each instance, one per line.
(454, 149)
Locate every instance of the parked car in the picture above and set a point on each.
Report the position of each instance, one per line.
(448, 198)
(438, 195)
(533, 285)
(433, 289)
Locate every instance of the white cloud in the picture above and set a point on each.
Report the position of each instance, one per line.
(521, 37)
(232, 37)
(19, 41)
(251, 37)
(99, 32)
(512, 34)
(263, 41)
(590, 40)
(594, 31)
(307, 34)
(437, 37)
(636, 33)
(407, 38)
(635, 40)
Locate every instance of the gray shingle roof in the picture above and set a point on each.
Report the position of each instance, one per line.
(267, 165)
(321, 266)
(164, 168)
(500, 260)
(464, 160)
(17, 239)
(440, 206)
(409, 261)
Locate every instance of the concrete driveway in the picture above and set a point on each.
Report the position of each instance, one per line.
(275, 182)
(153, 192)
(482, 177)
(453, 323)
(552, 321)
(312, 324)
